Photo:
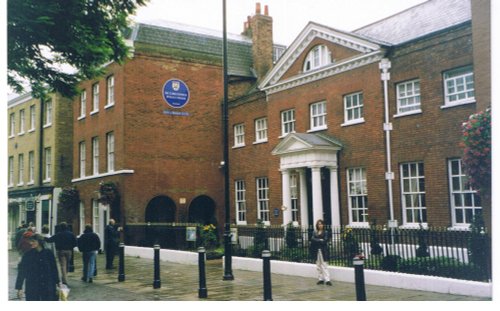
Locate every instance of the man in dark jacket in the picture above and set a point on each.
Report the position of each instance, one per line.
(112, 241)
(88, 243)
(65, 241)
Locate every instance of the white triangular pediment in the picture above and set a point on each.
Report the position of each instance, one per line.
(369, 52)
(297, 142)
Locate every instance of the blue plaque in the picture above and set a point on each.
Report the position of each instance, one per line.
(176, 93)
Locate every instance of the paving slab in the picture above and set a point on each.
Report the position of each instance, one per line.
(180, 282)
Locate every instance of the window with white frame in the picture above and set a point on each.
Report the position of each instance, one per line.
(261, 130)
(12, 125)
(82, 216)
(48, 113)
(96, 215)
(31, 167)
(48, 164)
(319, 56)
(21, 169)
(11, 171)
(465, 202)
(357, 193)
(241, 205)
(287, 122)
(408, 97)
(83, 104)
(413, 192)
(294, 196)
(459, 86)
(263, 199)
(32, 118)
(95, 155)
(110, 151)
(239, 135)
(83, 158)
(318, 116)
(353, 108)
(110, 99)
(22, 121)
(95, 98)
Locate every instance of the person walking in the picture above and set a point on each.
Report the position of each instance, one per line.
(319, 252)
(50, 246)
(38, 270)
(65, 241)
(111, 242)
(88, 244)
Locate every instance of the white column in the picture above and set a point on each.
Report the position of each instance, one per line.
(317, 195)
(287, 199)
(304, 218)
(334, 196)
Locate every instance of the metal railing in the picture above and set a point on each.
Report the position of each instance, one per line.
(432, 251)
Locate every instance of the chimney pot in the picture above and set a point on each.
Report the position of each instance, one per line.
(266, 10)
(257, 8)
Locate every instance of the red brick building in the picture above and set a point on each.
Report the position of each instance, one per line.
(352, 127)
(365, 126)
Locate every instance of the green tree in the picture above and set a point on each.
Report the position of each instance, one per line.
(54, 44)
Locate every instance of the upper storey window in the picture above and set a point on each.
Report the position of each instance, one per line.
(319, 56)
(459, 86)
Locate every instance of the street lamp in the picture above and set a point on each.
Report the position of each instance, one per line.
(228, 271)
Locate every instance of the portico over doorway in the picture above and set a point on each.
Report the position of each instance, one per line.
(299, 152)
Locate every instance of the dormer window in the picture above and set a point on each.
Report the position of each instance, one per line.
(319, 56)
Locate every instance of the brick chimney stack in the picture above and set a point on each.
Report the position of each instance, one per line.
(259, 28)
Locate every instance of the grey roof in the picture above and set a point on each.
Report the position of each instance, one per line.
(190, 38)
(318, 139)
(418, 21)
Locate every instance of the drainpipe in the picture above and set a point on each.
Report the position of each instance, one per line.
(385, 76)
(40, 144)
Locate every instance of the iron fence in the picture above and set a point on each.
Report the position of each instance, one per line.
(433, 251)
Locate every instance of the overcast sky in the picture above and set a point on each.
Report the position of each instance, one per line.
(289, 16)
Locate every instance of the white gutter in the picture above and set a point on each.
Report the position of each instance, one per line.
(385, 76)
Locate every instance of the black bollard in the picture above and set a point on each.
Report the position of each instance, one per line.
(359, 279)
(157, 282)
(121, 264)
(266, 260)
(202, 291)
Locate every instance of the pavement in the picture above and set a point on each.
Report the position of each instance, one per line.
(180, 282)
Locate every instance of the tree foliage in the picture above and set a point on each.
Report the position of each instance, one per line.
(54, 44)
(476, 141)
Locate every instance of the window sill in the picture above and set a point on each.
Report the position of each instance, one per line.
(10, 186)
(259, 142)
(109, 106)
(31, 130)
(31, 183)
(459, 228)
(103, 175)
(353, 122)
(359, 225)
(238, 146)
(94, 112)
(408, 113)
(459, 103)
(12, 136)
(317, 129)
(285, 135)
(45, 181)
(20, 133)
(80, 118)
(20, 184)
(414, 226)
(47, 125)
